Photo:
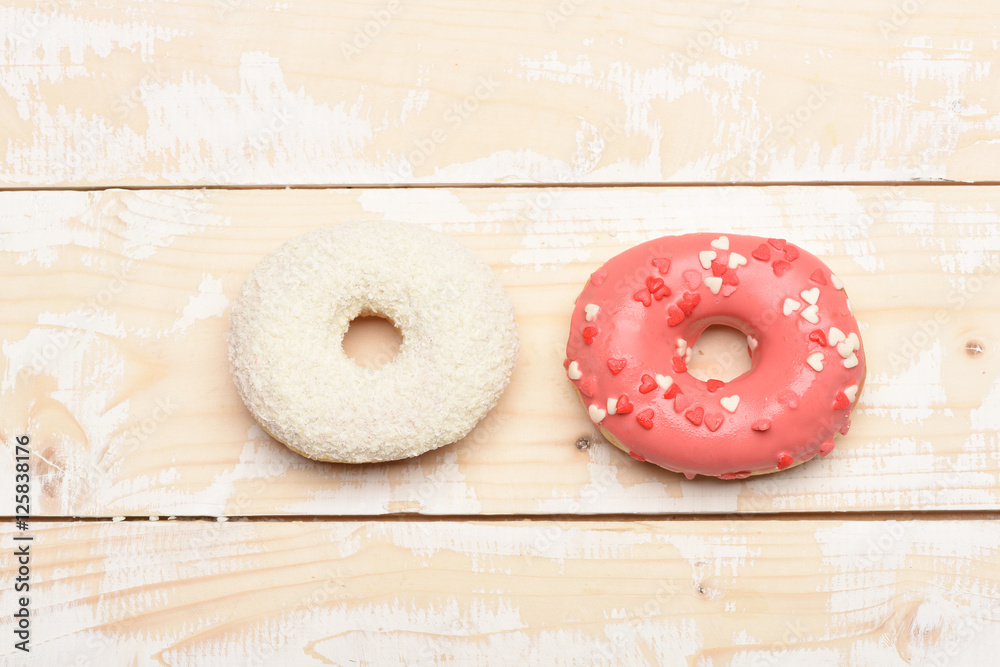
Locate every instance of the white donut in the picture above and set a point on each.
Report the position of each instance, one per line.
(459, 342)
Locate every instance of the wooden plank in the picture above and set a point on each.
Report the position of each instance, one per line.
(333, 93)
(664, 593)
(114, 315)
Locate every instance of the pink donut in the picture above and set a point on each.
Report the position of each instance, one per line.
(640, 314)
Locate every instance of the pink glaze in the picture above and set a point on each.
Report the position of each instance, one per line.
(652, 303)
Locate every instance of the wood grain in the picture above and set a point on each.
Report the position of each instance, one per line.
(472, 593)
(564, 91)
(114, 317)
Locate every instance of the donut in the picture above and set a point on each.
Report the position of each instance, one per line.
(459, 342)
(638, 317)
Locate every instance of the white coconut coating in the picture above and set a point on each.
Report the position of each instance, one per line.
(459, 342)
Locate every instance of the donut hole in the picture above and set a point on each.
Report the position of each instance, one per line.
(372, 340)
(720, 353)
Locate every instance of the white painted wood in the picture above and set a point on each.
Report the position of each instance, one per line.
(401, 91)
(114, 314)
(526, 593)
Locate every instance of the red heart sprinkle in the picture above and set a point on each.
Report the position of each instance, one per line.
(648, 384)
(780, 267)
(818, 336)
(826, 448)
(789, 398)
(841, 402)
(693, 279)
(586, 386)
(682, 402)
(763, 253)
(598, 277)
(695, 416)
(779, 244)
(730, 278)
(818, 277)
(847, 427)
(636, 456)
(761, 425)
(643, 295)
(662, 292)
(623, 407)
(791, 253)
(718, 268)
(645, 419)
(674, 316)
(653, 284)
(688, 302)
(672, 391)
(713, 421)
(679, 365)
(589, 333)
(784, 461)
(662, 265)
(617, 365)
(715, 385)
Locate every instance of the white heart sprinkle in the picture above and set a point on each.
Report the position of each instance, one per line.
(816, 361)
(597, 415)
(837, 282)
(707, 257)
(573, 371)
(722, 243)
(591, 309)
(714, 284)
(612, 406)
(682, 346)
(752, 342)
(730, 402)
(850, 345)
(736, 260)
(851, 393)
(791, 305)
(836, 336)
(811, 295)
(664, 381)
(811, 314)
(851, 361)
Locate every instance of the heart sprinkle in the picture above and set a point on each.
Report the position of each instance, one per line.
(816, 361)
(695, 416)
(811, 295)
(597, 415)
(780, 267)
